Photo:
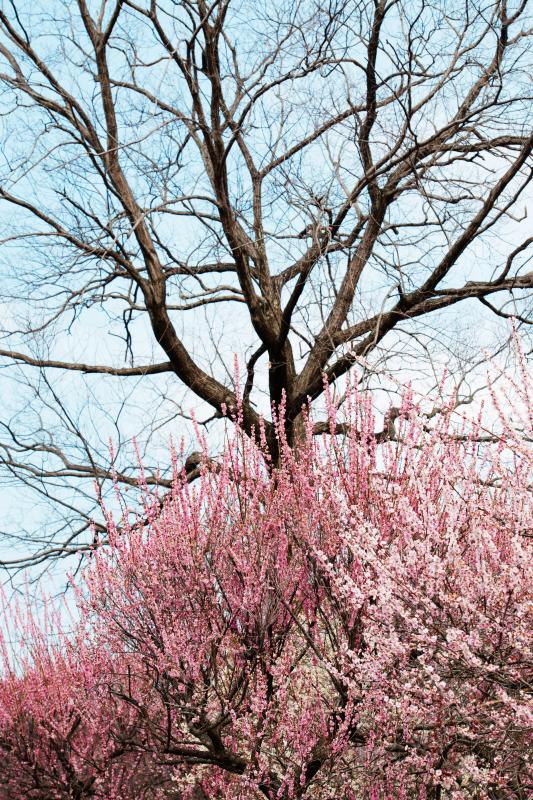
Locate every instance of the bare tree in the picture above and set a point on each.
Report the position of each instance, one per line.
(301, 183)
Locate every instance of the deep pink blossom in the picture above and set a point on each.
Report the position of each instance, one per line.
(353, 624)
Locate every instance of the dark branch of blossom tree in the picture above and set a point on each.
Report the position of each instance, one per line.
(323, 177)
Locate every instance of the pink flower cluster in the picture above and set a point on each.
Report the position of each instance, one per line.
(354, 623)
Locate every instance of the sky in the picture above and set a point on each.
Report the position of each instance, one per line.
(98, 411)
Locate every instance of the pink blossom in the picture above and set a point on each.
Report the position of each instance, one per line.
(352, 623)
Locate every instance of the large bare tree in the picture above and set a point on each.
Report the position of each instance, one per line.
(300, 183)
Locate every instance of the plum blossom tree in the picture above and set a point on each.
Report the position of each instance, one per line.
(352, 623)
(61, 724)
